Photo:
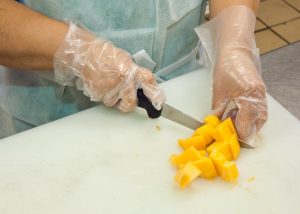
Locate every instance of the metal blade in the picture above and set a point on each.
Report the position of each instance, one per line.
(179, 117)
(245, 145)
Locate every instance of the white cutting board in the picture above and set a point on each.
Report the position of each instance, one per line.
(102, 161)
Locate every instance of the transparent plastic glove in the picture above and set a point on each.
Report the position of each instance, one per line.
(102, 71)
(238, 89)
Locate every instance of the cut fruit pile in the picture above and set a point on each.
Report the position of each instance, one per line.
(208, 153)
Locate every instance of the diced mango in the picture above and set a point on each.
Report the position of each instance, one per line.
(186, 174)
(218, 160)
(221, 147)
(203, 152)
(198, 142)
(234, 146)
(205, 130)
(207, 168)
(229, 123)
(226, 169)
(224, 130)
(212, 119)
(191, 154)
(229, 171)
(199, 160)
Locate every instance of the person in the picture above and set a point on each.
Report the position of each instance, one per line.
(103, 51)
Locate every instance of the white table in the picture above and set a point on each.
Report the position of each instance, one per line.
(102, 161)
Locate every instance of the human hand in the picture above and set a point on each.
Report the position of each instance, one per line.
(103, 72)
(238, 89)
(239, 92)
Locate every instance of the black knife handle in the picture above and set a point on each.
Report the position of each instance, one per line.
(145, 103)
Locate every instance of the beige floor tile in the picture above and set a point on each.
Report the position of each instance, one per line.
(290, 30)
(266, 41)
(276, 11)
(259, 25)
(295, 3)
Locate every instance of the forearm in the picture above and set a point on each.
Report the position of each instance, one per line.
(28, 40)
(216, 6)
(238, 28)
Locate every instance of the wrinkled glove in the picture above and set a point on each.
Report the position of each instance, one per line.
(238, 89)
(102, 71)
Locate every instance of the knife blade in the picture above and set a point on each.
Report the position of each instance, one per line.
(173, 114)
(179, 117)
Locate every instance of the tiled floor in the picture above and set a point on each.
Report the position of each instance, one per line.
(278, 24)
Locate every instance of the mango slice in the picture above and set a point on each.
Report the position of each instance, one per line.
(221, 147)
(205, 128)
(198, 142)
(203, 152)
(191, 154)
(207, 168)
(212, 119)
(234, 147)
(226, 169)
(218, 160)
(229, 171)
(205, 131)
(224, 130)
(187, 174)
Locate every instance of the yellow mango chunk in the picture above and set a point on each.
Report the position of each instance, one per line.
(218, 160)
(224, 130)
(207, 168)
(186, 174)
(226, 169)
(221, 147)
(229, 123)
(203, 152)
(207, 162)
(198, 142)
(229, 171)
(191, 154)
(212, 119)
(234, 146)
(205, 130)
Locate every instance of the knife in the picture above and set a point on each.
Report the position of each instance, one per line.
(173, 114)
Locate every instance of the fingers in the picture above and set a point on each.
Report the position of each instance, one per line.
(128, 99)
(145, 76)
(144, 79)
(155, 95)
(245, 120)
(128, 91)
(151, 90)
(250, 117)
(123, 95)
(111, 101)
(119, 82)
(263, 115)
(125, 100)
(248, 113)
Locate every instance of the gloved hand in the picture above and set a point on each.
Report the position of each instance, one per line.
(102, 71)
(238, 89)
